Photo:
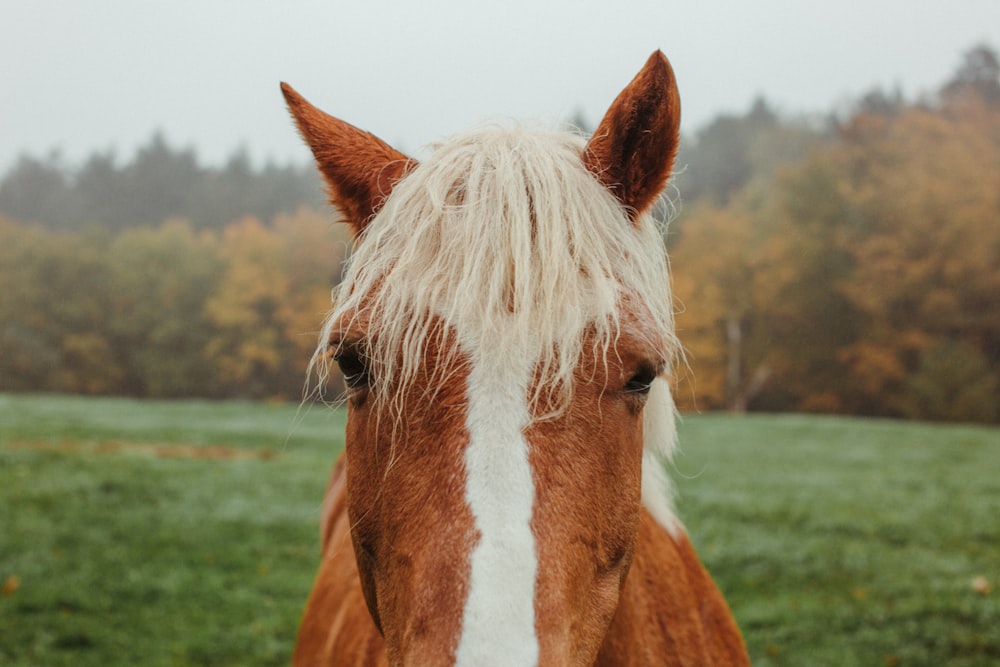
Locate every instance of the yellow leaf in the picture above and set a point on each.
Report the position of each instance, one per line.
(980, 585)
(12, 584)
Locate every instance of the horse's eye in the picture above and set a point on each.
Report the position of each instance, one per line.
(353, 368)
(641, 382)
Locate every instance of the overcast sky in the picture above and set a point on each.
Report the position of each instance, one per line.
(105, 74)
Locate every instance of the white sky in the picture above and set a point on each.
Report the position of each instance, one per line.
(91, 75)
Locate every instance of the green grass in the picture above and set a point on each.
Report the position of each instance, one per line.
(130, 558)
(849, 542)
(837, 541)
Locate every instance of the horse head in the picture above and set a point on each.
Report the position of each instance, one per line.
(504, 329)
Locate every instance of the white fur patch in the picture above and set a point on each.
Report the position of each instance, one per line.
(660, 441)
(498, 623)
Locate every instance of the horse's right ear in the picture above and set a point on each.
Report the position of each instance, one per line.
(360, 169)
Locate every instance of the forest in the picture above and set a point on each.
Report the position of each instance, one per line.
(848, 263)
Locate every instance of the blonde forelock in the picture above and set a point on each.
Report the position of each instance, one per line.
(504, 236)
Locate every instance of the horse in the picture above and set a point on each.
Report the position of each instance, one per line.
(504, 329)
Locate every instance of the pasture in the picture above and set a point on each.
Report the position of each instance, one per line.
(186, 533)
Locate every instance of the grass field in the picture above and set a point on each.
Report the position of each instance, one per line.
(185, 533)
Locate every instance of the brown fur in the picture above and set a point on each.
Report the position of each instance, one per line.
(336, 628)
(669, 612)
(359, 168)
(588, 472)
(626, 592)
(633, 149)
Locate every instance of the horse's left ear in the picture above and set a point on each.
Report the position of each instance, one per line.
(633, 149)
(359, 168)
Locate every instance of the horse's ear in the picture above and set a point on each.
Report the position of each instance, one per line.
(633, 149)
(359, 168)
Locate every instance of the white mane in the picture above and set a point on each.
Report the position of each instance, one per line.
(504, 234)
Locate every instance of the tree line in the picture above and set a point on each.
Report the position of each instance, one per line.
(846, 264)
(158, 183)
(166, 311)
(861, 276)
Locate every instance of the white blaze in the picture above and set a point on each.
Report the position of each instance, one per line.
(498, 622)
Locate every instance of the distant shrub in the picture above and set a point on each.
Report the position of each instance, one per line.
(953, 383)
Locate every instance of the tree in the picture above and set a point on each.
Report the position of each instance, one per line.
(924, 188)
(159, 183)
(36, 191)
(717, 274)
(52, 312)
(98, 194)
(953, 382)
(269, 303)
(160, 281)
(732, 151)
(978, 76)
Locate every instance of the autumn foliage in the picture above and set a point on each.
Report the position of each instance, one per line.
(846, 265)
(166, 311)
(863, 278)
